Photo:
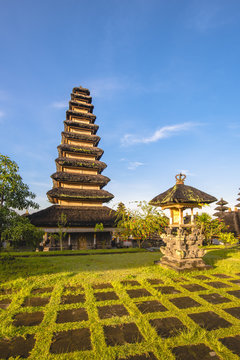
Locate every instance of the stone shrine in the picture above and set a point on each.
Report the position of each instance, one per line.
(182, 250)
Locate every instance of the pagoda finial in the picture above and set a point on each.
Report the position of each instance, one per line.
(180, 178)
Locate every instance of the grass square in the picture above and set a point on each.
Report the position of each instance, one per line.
(70, 341)
(155, 281)
(135, 293)
(72, 315)
(232, 343)
(184, 302)
(4, 303)
(121, 334)
(215, 298)
(235, 293)
(72, 299)
(17, 346)
(108, 311)
(218, 284)
(167, 290)
(150, 306)
(234, 311)
(237, 282)
(28, 319)
(194, 352)
(222, 276)
(209, 320)
(35, 301)
(193, 287)
(167, 327)
(103, 296)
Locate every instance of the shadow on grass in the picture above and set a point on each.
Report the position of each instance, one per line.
(26, 267)
(213, 256)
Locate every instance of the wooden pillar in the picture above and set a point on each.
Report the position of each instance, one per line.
(171, 216)
(94, 240)
(45, 238)
(69, 239)
(180, 216)
(192, 216)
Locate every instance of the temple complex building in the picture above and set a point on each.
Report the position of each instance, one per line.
(78, 182)
(229, 216)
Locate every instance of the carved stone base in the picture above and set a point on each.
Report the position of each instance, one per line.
(183, 264)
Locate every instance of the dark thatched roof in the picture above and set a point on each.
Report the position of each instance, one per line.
(181, 193)
(82, 163)
(222, 202)
(75, 124)
(80, 194)
(232, 220)
(81, 105)
(80, 90)
(81, 178)
(90, 138)
(81, 150)
(221, 208)
(76, 216)
(81, 115)
(81, 97)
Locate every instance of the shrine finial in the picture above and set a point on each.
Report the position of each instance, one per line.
(180, 178)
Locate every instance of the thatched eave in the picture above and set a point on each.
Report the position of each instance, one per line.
(75, 124)
(86, 150)
(76, 216)
(81, 163)
(180, 194)
(80, 194)
(90, 138)
(81, 115)
(80, 178)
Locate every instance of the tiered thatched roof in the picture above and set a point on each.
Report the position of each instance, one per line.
(78, 183)
(76, 216)
(221, 208)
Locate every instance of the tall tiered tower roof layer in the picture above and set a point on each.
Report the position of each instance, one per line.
(78, 180)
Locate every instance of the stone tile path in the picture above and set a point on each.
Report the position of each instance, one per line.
(154, 302)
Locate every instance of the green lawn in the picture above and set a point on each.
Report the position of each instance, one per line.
(22, 275)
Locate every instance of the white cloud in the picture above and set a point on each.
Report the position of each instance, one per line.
(164, 132)
(134, 165)
(59, 104)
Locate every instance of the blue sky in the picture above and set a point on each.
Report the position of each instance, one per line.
(164, 76)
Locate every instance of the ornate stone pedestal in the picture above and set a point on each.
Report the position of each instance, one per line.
(182, 250)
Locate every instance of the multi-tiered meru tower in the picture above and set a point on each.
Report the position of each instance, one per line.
(78, 180)
(78, 184)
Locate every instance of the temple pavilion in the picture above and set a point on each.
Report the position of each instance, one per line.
(182, 251)
(78, 182)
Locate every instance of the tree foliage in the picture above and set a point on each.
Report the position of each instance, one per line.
(228, 238)
(210, 227)
(13, 192)
(140, 223)
(17, 230)
(62, 222)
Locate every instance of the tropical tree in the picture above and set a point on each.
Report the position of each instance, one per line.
(228, 238)
(20, 231)
(140, 223)
(210, 227)
(62, 222)
(13, 192)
